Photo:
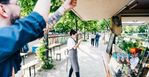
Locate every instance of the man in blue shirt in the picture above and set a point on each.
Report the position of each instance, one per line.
(97, 39)
(15, 34)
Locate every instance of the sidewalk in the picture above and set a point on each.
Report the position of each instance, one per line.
(90, 60)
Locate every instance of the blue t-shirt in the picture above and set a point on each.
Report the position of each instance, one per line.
(97, 36)
(14, 37)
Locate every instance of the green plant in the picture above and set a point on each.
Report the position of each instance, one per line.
(47, 63)
(126, 45)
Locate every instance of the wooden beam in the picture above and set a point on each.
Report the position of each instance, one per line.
(135, 13)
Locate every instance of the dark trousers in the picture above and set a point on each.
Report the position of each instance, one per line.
(71, 71)
(92, 41)
(96, 43)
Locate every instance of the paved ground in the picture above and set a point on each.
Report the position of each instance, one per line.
(90, 60)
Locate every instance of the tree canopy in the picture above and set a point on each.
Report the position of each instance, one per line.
(68, 21)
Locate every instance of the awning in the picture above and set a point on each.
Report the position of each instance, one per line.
(98, 9)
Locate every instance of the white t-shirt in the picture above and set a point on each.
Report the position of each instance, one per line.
(92, 36)
(70, 43)
(134, 62)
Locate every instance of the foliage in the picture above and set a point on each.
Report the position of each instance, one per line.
(142, 28)
(55, 4)
(71, 21)
(47, 63)
(104, 24)
(126, 45)
(135, 29)
(138, 31)
(130, 29)
(68, 21)
(26, 6)
(92, 26)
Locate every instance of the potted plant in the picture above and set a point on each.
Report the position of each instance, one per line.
(47, 63)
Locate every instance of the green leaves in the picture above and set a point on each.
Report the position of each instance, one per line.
(47, 63)
(142, 29)
(126, 45)
(135, 29)
(55, 5)
(26, 6)
(68, 21)
(104, 24)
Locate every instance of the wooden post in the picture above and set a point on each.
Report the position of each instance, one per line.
(76, 21)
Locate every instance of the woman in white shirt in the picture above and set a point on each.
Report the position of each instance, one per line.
(92, 39)
(73, 57)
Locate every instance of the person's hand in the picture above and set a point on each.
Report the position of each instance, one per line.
(46, 30)
(69, 4)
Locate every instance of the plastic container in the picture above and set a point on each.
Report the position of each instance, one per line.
(34, 49)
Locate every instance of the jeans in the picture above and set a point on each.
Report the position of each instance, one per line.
(71, 71)
(96, 43)
(92, 41)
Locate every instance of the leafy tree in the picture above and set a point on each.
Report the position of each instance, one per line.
(55, 4)
(104, 24)
(68, 21)
(130, 29)
(26, 6)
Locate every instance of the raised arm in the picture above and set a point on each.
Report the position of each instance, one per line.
(68, 5)
(42, 7)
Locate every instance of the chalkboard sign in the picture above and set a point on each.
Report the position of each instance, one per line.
(110, 43)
